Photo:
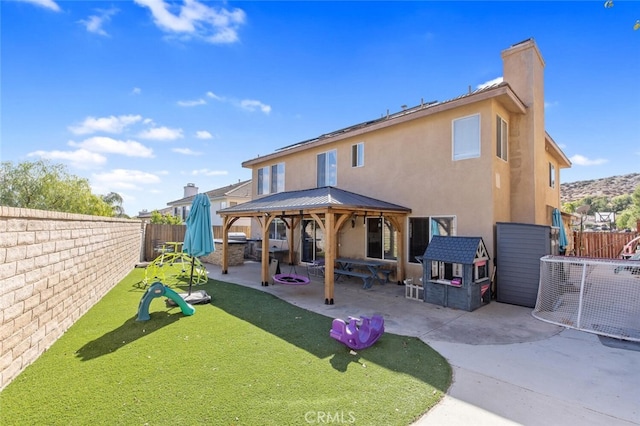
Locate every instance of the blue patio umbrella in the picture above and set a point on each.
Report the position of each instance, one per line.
(562, 236)
(198, 240)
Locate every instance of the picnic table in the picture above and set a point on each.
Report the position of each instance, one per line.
(366, 269)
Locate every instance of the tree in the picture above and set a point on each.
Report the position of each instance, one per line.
(628, 219)
(165, 219)
(115, 201)
(570, 206)
(621, 202)
(595, 203)
(45, 186)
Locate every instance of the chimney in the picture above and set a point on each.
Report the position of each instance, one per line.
(190, 189)
(523, 70)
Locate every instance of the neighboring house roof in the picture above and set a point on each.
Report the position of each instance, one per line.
(241, 189)
(146, 214)
(501, 91)
(311, 199)
(453, 249)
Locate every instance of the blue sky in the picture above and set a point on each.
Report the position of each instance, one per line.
(142, 97)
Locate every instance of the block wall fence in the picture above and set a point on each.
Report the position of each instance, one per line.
(53, 268)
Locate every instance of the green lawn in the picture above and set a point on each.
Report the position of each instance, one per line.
(247, 358)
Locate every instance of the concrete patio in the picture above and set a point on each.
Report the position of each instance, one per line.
(508, 367)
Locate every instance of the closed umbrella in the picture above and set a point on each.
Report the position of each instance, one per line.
(198, 240)
(562, 236)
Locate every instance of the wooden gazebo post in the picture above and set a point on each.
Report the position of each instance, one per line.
(330, 257)
(225, 245)
(265, 248)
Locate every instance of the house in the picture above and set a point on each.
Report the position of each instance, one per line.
(145, 215)
(226, 196)
(381, 189)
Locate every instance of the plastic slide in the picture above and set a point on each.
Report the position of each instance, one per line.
(158, 289)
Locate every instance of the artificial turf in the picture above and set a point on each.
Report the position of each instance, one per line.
(247, 358)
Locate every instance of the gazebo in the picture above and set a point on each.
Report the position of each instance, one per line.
(330, 207)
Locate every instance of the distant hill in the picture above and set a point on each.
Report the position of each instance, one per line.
(610, 187)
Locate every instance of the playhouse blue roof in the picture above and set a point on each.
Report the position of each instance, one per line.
(453, 249)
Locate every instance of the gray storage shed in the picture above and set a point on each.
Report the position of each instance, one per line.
(519, 249)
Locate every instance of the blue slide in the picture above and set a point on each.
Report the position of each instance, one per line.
(158, 289)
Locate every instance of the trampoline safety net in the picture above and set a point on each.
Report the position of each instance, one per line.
(600, 296)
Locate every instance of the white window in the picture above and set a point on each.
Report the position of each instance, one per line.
(263, 180)
(466, 137)
(502, 138)
(552, 176)
(277, 230)
(381, 239)
(277, 178)
(327, 169)
(422, 229)
(271, 179)
(357, 155)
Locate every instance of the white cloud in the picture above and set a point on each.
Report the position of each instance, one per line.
(186, 151)
(94, 23)
(192, 103)
(580, 160)
(48, 4)
(252, 105)
(203, 134)
(109, 145)
(111, 124)
(136, 91)
(548, 104)
(194, 19)
(118, 179)
(207, 172)
(161, 134)
(214, 96)
(496, 80)
(81, 158)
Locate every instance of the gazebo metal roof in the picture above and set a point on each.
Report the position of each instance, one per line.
(313, 199)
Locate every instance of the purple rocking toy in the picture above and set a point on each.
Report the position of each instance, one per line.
(359, 333)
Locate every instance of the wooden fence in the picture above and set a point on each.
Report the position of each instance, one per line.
(601, 244)
(156, 235)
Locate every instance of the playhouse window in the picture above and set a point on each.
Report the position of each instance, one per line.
(481, 270)
(445, 270)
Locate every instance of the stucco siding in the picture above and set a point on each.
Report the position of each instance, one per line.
(408, 159)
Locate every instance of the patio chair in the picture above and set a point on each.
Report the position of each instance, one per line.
(316, 268)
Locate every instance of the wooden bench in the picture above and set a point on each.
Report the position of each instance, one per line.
(365, 277)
